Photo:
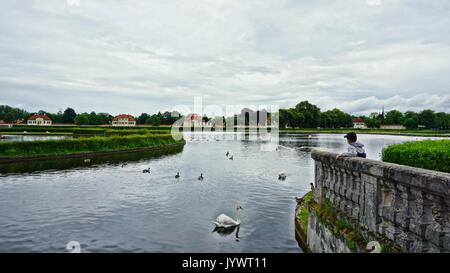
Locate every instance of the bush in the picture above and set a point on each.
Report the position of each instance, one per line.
(112, 132)
(92, 144)
(428, 154)
(88, 131)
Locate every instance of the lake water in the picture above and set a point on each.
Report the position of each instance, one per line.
(30, 137)
(108, 207)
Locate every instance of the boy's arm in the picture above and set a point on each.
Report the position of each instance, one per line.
(351, 152)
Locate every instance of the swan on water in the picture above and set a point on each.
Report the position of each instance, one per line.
(73, 247)
(373, 247)
(87, 160)
(200, 177)
(282, 176)
(225, 221)
(177, 175)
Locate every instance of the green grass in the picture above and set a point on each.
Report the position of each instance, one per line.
(79, 145)
(428, 154)
(303, 213)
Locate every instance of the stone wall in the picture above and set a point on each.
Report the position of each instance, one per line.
(407, 205)
(321, 240)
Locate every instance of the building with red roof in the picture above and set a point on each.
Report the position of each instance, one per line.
(124, 120)
(358, 123)
(39, 120)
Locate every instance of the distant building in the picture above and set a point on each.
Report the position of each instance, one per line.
(393, 127)
(194, 120)
(358, 123)
(124, 120)
(5, 124)
(19, 121)
(39, 120)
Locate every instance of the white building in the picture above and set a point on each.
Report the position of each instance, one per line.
(124, 120)
(39, 120)
(358, 123)
(5, 124)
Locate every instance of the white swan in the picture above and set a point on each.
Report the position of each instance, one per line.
(225, 221)
(73, 247)
(373, 247)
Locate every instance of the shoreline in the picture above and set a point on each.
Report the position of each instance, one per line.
(283, 131)
(9, 160)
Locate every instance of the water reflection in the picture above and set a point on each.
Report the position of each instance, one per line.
(10, 138)
(224, 232)
(109, 205)
(92, 161)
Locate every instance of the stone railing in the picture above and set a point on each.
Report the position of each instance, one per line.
(409, 206)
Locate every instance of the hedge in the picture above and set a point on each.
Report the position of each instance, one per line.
(91, 144)
(428, 154)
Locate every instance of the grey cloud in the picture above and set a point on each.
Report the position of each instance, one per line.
(144, 56)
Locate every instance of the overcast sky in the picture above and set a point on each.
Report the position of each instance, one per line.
(129, 56)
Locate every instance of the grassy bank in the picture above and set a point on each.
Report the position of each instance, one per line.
(97, 130)
(82, 145)
(428, 154)
(426, 133)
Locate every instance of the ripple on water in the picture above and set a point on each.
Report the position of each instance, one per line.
(108, 208)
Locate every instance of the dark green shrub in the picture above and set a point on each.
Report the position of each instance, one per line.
(88, 131)
(92, 144)
(428, 154)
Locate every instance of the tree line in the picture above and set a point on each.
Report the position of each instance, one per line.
(69, 116)
(307, 115)
(425, 119)
(303, 115)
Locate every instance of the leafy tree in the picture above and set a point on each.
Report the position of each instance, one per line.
(393, 117)
(82, 119)
(68, 116)
(410, 120)
(142, 118)
(373, 121)
(154, 120)
(335, 119)
(11, 114)
(442, 120)
(311, 114)
(427, 118)
(104, 118)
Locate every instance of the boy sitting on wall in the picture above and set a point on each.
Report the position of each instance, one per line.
(355, 148)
